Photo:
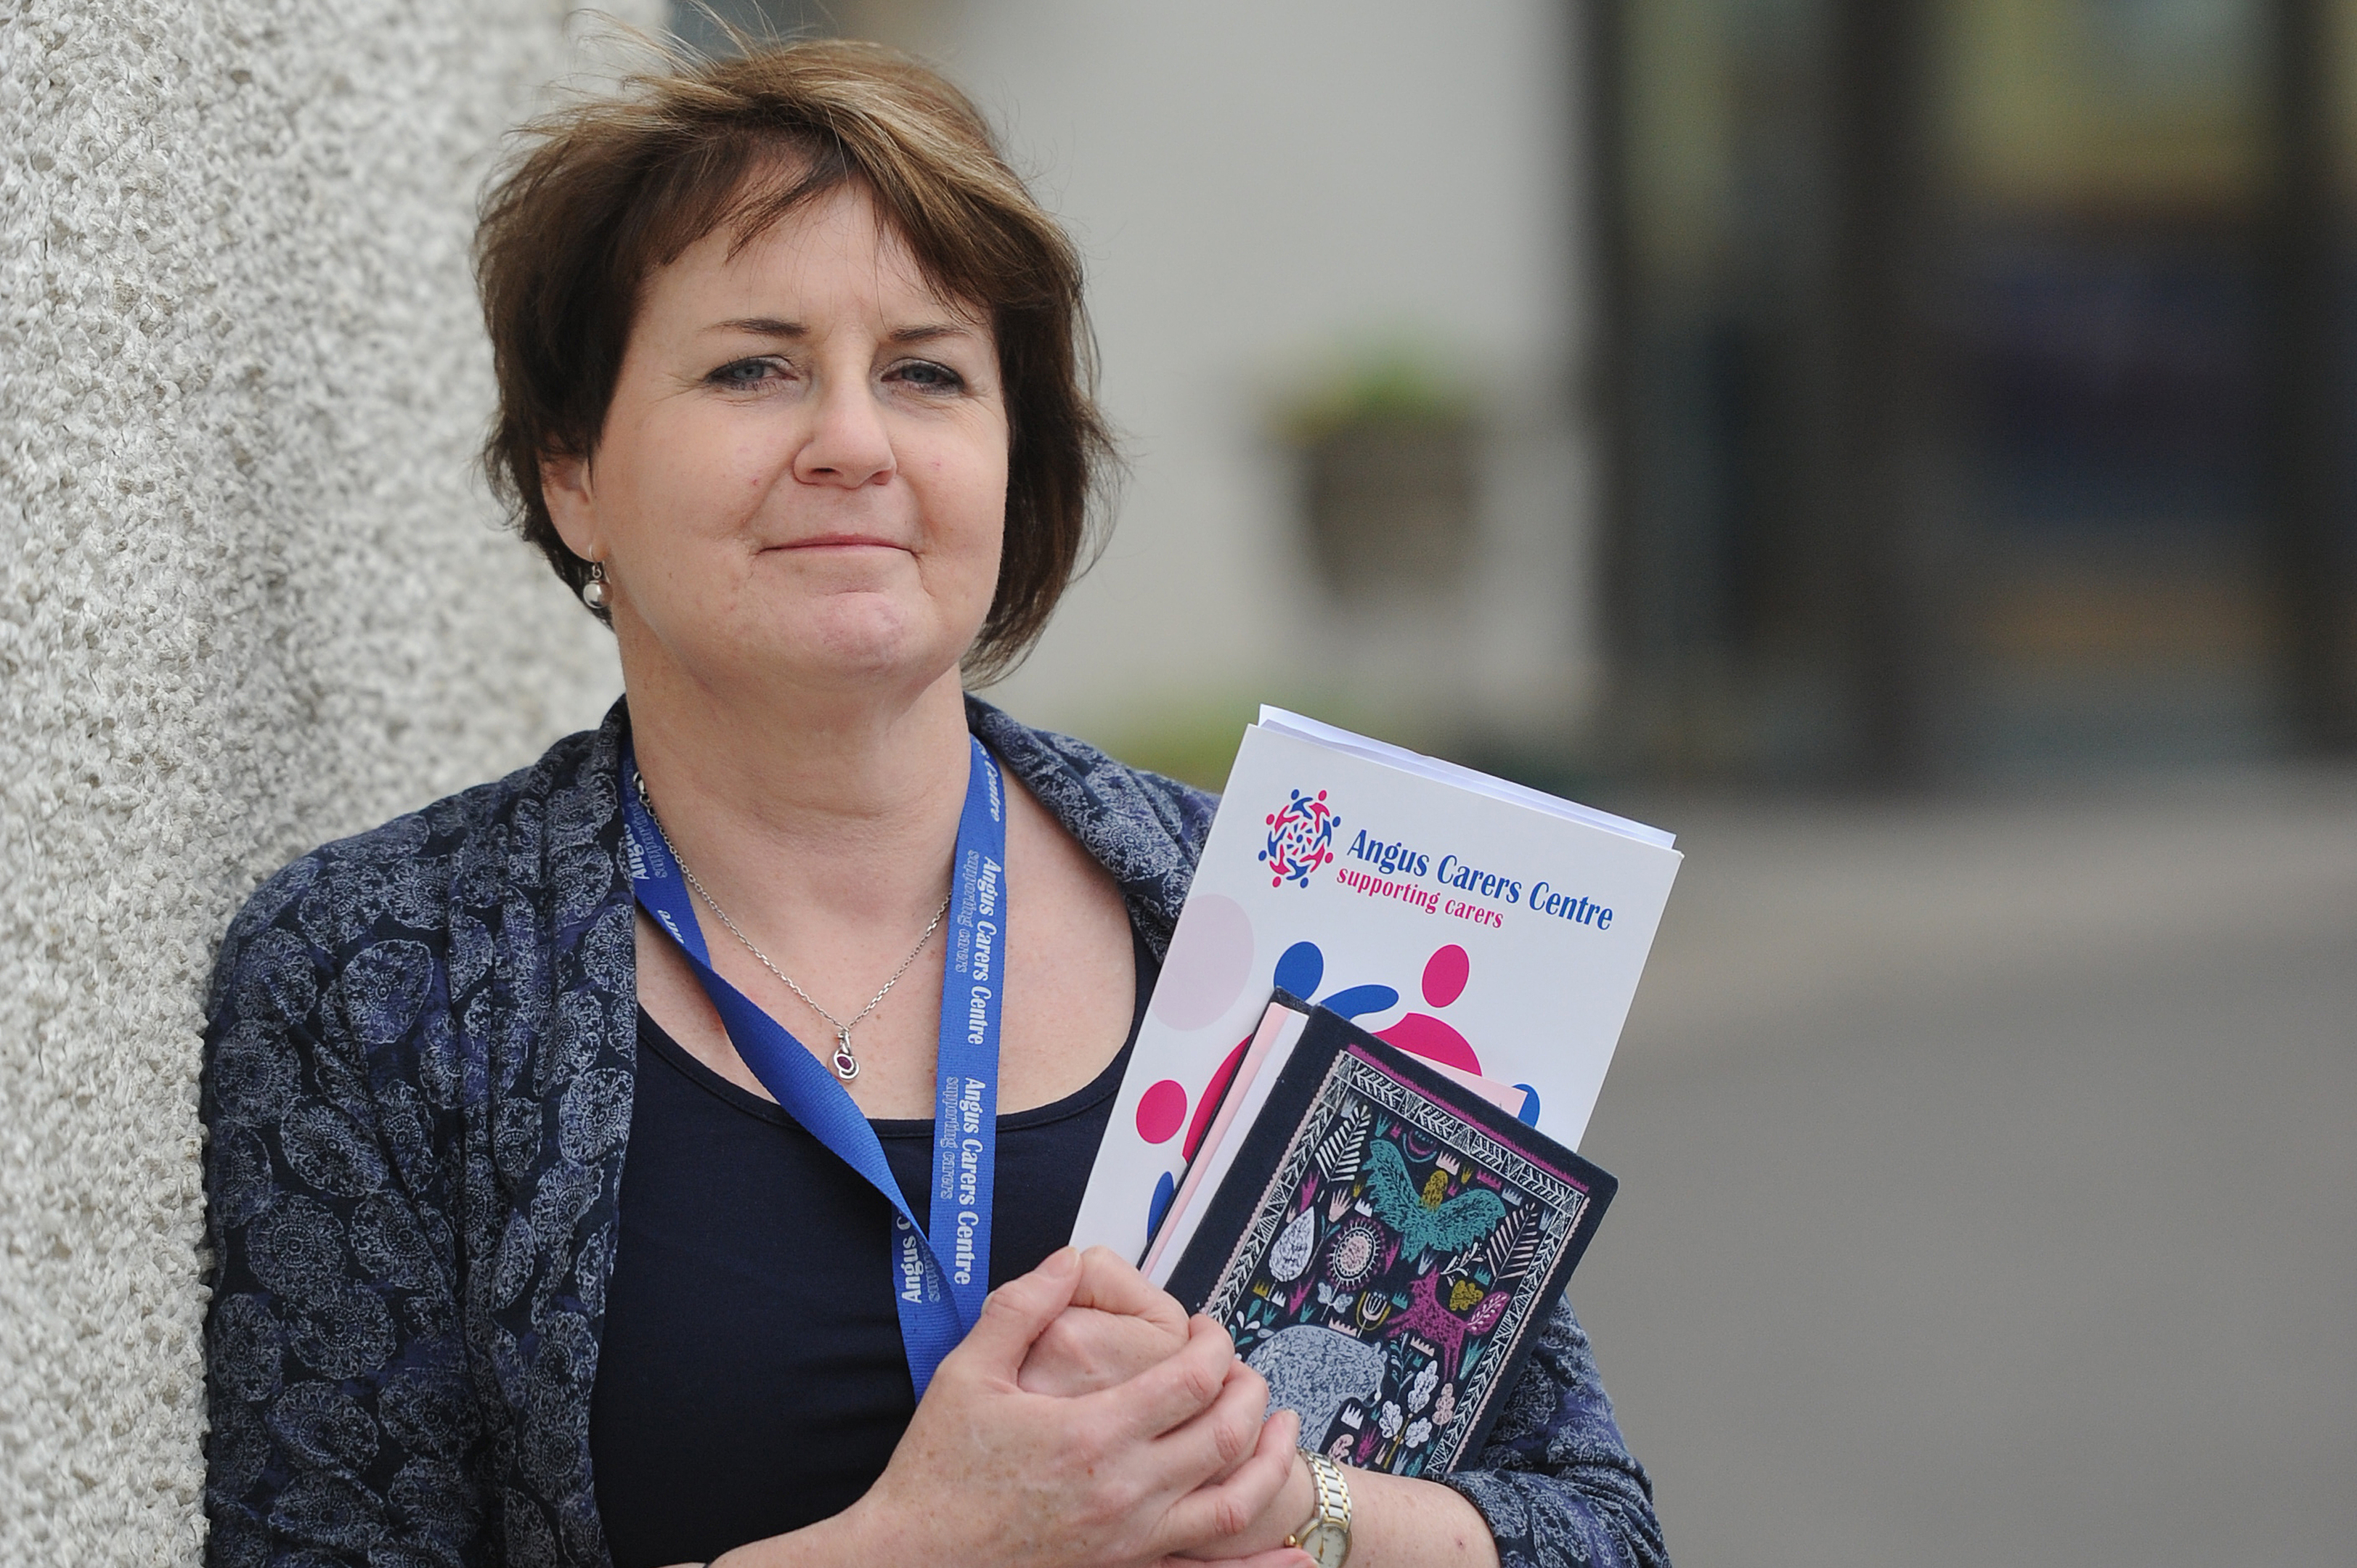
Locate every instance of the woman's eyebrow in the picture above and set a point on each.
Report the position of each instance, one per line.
(770, 326)
(762, 327)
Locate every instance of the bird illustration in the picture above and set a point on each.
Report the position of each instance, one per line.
(1427, 1223)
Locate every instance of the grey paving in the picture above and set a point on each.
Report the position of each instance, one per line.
(1988, 1173)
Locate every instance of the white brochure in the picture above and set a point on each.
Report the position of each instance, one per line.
(1476, 923)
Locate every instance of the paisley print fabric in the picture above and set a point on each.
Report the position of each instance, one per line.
(417, 1087)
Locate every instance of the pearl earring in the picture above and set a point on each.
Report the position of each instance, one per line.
(593, 593)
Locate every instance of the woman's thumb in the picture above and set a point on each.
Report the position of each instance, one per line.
(1020, 1311)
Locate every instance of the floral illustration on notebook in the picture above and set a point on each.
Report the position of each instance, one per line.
(1387, 1254)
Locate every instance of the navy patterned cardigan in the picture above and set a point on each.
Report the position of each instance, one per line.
(417, 1086)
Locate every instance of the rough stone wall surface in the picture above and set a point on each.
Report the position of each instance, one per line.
(250, 598)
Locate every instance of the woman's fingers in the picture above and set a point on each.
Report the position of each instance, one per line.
(1018, 1313)
(1181, 1388)
(1171, 1459)
(1086, 1350)
(1116, 1327)
(1226, 1435)
(1218, 1513)
(1109, 1284)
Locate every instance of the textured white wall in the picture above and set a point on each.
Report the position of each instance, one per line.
(250, 599)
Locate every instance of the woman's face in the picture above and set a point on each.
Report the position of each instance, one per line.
(802, 480)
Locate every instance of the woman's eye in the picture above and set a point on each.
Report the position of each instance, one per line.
(746, 372)
(927, 376)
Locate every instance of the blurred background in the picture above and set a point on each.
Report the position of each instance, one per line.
(1905, 448)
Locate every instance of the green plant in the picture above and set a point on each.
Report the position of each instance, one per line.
(1398, 383)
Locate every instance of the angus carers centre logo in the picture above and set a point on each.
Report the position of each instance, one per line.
(1300, 839)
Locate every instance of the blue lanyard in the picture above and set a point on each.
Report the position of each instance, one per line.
(939, 1280)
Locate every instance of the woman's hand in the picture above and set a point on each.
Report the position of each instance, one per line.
(1116, 1327)
(1171, 1460)
(1287, 1508)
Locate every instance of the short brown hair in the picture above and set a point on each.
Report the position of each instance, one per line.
(607, 190)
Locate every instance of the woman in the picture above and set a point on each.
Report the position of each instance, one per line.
(791, 393)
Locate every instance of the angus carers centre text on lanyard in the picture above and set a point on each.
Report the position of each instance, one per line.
(938, 1281)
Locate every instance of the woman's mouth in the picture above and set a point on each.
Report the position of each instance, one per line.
(843, 541)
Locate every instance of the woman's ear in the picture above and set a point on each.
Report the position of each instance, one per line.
(565, 490)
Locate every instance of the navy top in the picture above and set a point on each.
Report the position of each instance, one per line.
(752, 1380)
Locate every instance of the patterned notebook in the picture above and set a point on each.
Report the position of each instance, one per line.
(1385, 1249)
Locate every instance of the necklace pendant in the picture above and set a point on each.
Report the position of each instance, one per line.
(847, 1066)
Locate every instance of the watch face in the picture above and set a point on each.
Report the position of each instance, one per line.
(1329, 1543)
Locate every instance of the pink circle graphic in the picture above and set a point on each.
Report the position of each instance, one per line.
(1161, 1111)
(1445, 974)
(1211, 956)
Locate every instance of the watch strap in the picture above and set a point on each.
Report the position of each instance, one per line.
(1330, 1504)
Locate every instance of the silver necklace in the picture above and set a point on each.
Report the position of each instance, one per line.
(847, 1066)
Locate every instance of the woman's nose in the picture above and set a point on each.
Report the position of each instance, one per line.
(848, 444)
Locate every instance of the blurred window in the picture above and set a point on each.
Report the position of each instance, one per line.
(2088, 269)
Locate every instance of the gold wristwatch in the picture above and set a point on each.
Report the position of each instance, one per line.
(1326, 1533)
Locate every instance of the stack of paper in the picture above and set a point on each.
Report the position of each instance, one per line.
(1489, 929)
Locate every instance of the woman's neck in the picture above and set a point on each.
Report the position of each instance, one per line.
(841, 807)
